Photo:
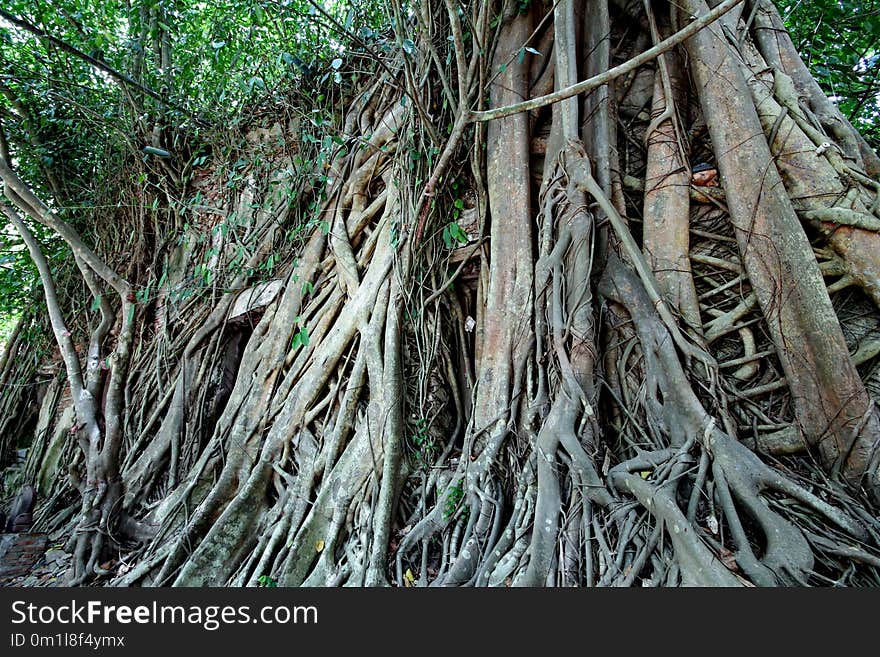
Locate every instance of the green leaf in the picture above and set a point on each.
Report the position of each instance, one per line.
(454, 235)
(447, 237)
(300, 339)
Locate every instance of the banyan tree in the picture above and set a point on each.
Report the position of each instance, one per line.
(509, 293)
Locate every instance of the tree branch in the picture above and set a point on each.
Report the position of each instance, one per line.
(22, 196)
(612, 73)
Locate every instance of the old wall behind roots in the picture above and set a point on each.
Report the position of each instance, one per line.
(626, 338)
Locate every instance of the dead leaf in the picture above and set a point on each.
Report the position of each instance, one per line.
(729, 559)
(712, 523)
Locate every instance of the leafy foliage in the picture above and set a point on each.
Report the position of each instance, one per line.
(109, 107)
(840, 42)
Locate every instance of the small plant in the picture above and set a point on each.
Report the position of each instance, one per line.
(423, 442)
(267, 582)
(300, 338)
(453, 234)
(421, 438)
(453, 499)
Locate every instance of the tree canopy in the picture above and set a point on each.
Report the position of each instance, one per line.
(840, 42)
